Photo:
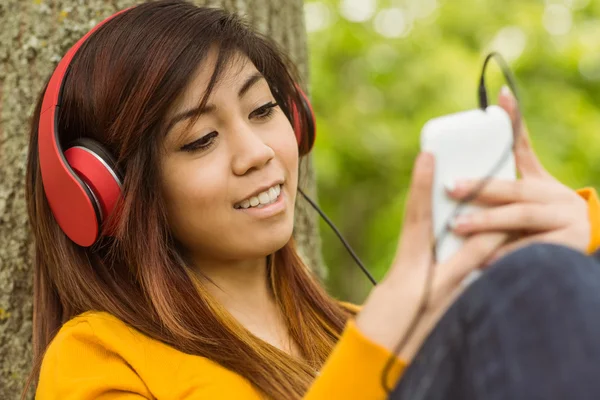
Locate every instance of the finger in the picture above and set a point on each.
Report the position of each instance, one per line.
(510, 247)
(503, 191)
(416, 239)
(507, 101)
(512, 217)
(526, 160)
(475, 251)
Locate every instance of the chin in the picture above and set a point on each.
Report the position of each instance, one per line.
(269, 242)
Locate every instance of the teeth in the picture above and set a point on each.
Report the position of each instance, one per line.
(272, 194)
(264, 198)
(267, 197)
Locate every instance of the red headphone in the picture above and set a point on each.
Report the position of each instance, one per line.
(82, 184)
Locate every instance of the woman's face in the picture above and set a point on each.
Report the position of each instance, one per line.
(229, 182)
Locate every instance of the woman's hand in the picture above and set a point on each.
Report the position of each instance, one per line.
(536, 208)
(388, 311)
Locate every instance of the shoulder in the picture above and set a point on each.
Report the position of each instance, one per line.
(92, 318)
(88, 358)
(96, 353)
(95, 336)
(95, 328)
(106, 338)
(81, 328)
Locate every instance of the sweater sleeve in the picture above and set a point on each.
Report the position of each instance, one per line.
(354, 369)
(590, 195)
(77, 367)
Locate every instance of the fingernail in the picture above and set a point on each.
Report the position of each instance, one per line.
(505, 91)
(423, 162)
(456, 184)
(461, 220)
(456, 222)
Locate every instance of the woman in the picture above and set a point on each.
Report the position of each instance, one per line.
(195, 289)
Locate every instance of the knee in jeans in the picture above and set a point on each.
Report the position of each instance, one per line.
(528, 275)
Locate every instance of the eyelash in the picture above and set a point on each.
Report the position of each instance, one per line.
(266, 110)
(264, 113)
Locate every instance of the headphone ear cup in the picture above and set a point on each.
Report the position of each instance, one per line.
(305, 134)
(97, 169)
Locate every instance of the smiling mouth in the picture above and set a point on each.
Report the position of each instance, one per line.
(263, 199)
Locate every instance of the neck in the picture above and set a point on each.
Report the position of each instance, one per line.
(241, 286)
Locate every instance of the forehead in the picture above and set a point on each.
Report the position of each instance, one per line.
(231, 76)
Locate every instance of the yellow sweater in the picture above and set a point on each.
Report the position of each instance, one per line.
(97, 356)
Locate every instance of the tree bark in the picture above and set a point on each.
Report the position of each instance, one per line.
(34, 36)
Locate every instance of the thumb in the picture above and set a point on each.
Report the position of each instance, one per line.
(527, 161)
(416, 240)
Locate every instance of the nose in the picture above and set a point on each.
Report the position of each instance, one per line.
(250, 150)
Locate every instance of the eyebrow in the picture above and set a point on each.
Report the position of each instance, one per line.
(209, 108)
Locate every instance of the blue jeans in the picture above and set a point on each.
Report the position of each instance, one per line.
(528, 328)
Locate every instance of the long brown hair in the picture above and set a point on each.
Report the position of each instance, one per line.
(122, 82)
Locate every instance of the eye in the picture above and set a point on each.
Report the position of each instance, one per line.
(203, 143)
(265, 111)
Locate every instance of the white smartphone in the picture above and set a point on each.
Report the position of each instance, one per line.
(466, 145)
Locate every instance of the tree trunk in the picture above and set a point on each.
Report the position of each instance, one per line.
(34, 36)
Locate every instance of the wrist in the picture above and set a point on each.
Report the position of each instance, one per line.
(386, 314)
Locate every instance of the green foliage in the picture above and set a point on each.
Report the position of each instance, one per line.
(372, 94)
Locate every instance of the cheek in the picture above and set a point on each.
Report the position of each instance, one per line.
(285, 146)
(194, 196)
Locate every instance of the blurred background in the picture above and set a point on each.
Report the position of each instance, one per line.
(381, 68)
